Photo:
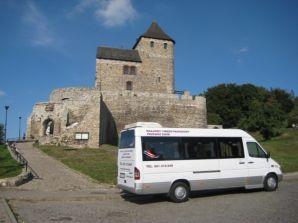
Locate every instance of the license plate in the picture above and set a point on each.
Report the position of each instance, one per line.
(122, 175)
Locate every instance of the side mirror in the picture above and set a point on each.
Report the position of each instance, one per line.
(268, 155)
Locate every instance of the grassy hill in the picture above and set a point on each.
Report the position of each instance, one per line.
(99, 164)
(8, 166)
(284, 149)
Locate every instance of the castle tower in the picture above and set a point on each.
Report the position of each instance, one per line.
(147, 67)
(156, 50)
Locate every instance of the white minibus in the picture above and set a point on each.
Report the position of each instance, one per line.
(176, 161)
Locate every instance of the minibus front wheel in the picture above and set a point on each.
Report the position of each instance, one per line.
(270, 182)
(179, 192)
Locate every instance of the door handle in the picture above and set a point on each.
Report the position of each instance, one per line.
(250, 162)
(241, 162)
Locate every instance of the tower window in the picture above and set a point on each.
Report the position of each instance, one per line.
(129, 70)
(151, 43)
(158, 79)
(125, 69)
(133, 70)
(165, 45)
(129, 85)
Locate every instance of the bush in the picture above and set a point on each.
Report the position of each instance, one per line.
(1, 133)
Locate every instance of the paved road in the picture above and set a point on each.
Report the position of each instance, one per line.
(105, 206)
(54, 176)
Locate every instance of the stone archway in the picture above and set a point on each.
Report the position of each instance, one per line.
(48, 127)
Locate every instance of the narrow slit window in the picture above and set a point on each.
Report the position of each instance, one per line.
(129, 85)
(133, 70)
(125, 69)
(165, 45)
(151, 44)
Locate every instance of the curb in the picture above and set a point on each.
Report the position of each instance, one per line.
(291, 176)
(22, 178)
(9, 212)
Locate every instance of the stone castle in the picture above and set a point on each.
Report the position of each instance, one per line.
(131, 85)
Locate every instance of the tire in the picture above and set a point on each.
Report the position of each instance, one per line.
(270, 182)
(179, 192)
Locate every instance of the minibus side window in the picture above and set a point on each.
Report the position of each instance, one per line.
(230, 148)
(199, 148)
(161, 148)
(254, 150)
(127, 139)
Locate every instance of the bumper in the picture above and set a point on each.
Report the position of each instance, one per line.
(135, 190)
(147, 188)
(280, 177)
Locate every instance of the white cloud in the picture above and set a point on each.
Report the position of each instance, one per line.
(2, 93)
(116, 12)
(240, 53)
(243, 49)
(110, 13)
(37, 26)
(82, 6)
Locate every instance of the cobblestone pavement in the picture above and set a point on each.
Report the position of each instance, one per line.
(99, 206)
(54, 176)
(4, 217)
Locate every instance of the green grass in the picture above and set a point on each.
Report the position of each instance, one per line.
(99, 164)
(8, 166)
(284, 149)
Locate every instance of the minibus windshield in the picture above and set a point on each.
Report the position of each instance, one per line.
(127, 139)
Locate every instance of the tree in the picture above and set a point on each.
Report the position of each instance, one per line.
(223, 100)
(284, 99)
(250, 107)
(214, 118)
(1, 133)
(267, 118)
(293, 115)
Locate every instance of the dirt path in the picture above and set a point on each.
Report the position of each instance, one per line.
(54, 176)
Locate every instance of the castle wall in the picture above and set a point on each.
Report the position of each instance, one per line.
(167, 109)
(103, 114)
(79, 113)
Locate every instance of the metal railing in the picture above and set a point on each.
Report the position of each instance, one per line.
(22, 160)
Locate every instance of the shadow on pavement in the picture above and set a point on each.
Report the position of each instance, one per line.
(158, 198)
(144, 199)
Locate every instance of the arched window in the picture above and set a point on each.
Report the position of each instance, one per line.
(151, 44)
(133, 70)
(129, 85)
(48, 127)
(125, 69)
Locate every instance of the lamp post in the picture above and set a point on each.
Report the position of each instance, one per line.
(5, 127)
(20, 122)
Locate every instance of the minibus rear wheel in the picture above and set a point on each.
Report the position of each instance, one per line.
(179, 192)
(270, 182)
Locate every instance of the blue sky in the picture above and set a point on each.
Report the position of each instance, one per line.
(51, 44)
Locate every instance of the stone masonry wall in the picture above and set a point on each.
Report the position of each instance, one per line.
(73, 110)
(110, 77)
(103, 114)
(157, 65)
(154, 74)
(167, 109)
